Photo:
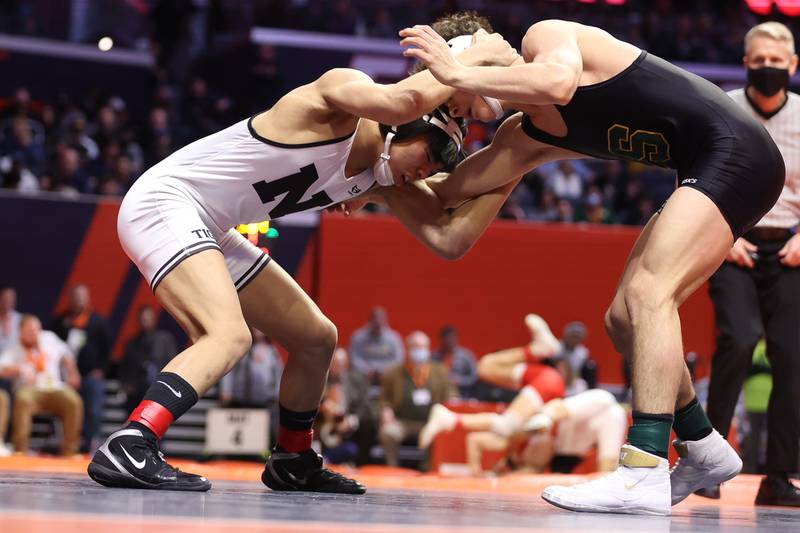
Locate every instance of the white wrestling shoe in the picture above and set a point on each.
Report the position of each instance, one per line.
(640, 485)
(440, 419)
(702, 464)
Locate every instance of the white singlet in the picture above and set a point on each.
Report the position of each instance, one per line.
(595, 419)
(192, 200)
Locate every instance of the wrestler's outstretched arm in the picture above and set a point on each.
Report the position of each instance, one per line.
(549, 74)
(355, 93)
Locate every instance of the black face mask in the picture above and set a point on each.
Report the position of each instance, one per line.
(769, 81)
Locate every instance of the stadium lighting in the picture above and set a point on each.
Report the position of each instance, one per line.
(105, 44)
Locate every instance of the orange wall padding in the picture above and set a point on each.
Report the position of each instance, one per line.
(562, 272)
(100, 264)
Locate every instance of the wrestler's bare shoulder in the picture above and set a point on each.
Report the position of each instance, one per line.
(303, 115)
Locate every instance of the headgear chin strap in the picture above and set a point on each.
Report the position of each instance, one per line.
(381, 170)
(458, 45)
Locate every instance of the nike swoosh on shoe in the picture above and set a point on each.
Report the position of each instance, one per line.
(138, 464)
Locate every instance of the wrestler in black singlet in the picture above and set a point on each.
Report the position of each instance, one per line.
(656, 113)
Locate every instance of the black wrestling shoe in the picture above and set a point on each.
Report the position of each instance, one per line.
(778, 490)
(713, 493)
(130, 459)
(287, 471)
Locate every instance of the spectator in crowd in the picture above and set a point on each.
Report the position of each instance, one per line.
(566, 211)
(15, 176)
(572, 357)
(145, 354)
(35, 363)
(677, 31)
(5, 413)
(347, 419)
(566, 182)
(408, 391)
(375, 346)
(107, 128)
(547, 209)
(87, 335)
(9, 317)
(78, 139)
(512, 209)
(9, 336)
(254, 381)
(706, 31)
(460, 362)
(25, 143)
(70, 176)
(158, 136)
(20, 105)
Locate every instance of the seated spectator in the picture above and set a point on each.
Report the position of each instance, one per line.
(35, 364)
(408, 391)
(5, 413)
(145, 354)
(566, 182)
(547, 208)
(347, 420)
(254, 381)
(459, 360)
(9, 336)
(375, 346)
(559, 437)
(573, 357)
(15, 176)
(69, 176)
(25, 143)
(9, 317)
(87, 335)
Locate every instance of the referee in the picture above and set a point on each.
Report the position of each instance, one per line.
(756, 292)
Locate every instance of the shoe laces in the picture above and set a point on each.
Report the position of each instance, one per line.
(329, 475)
(685, 464)
(153, 448)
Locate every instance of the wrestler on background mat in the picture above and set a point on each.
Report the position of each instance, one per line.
(514, 368)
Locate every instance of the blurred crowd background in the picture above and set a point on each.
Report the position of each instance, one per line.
(207, 74)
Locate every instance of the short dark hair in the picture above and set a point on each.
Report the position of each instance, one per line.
(442, 146)
(5, 287)
(448, 330)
